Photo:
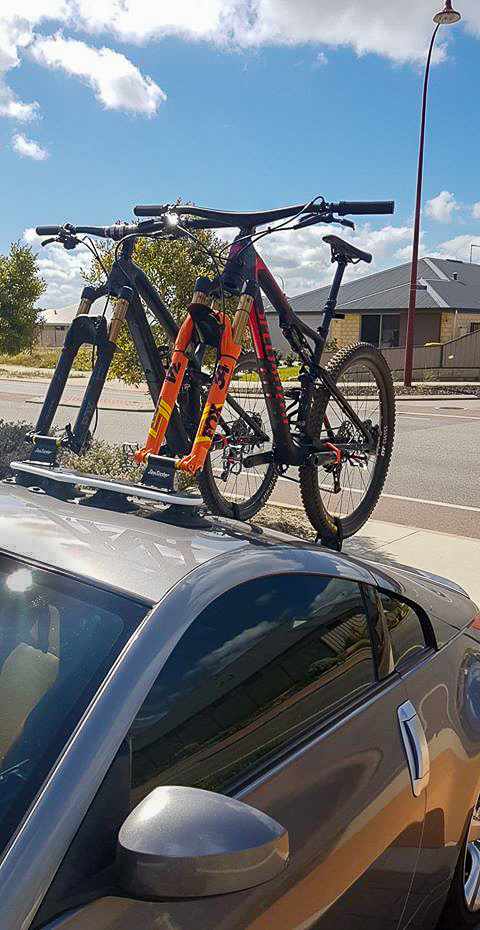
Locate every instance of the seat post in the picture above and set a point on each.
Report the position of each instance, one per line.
(331, 302)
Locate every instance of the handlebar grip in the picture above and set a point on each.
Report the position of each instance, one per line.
(365, 207)
(157, 209)
(48, 230)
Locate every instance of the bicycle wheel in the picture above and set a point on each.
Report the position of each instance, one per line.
(350, 490)
(227, 487)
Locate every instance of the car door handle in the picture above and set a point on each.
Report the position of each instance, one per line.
(416, 747)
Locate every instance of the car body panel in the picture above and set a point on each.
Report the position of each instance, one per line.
(67, 794)
(449, 710)
(355, 830)
(346, 797)
(440, 600)
(131, 553)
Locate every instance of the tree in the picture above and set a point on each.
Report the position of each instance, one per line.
(172, 266)
(20, 288)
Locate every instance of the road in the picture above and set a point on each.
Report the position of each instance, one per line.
(434, 477)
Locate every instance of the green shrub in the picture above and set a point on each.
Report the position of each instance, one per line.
(13, 444)
(46, 358)
(102, 459)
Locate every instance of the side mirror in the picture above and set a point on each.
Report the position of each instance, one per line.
(184, 842)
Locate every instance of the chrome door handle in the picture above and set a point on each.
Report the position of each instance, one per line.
(416, 747)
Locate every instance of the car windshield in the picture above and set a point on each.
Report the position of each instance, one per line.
(58, 638)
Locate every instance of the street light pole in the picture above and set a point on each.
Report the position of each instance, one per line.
(446, 16)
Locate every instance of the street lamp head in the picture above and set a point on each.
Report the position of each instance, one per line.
(447, 15)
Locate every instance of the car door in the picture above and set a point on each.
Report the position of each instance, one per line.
(436, 681)
(273, 695)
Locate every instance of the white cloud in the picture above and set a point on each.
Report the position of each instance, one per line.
(303, 259)
(458, 247)
(14, 35)
(442, 207)
(61, 271)
(476, 210)
(27, 148)
(116, 82)
(366, 26)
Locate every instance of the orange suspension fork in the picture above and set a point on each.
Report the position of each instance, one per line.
(230, 348)
(172, 383)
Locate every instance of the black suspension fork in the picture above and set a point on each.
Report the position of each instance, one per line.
(83, 330)
(106, 346)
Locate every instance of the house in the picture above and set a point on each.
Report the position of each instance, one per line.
(375, 305)
(54, 325)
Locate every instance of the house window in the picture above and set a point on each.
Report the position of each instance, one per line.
(390, 331)
(370, 330)
(474, 327)
(381, 329)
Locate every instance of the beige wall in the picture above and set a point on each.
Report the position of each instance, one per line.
(50, 336)
(347, 330)
(463, 322)
(446, 325)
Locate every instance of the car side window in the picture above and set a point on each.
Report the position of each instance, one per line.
(405, 628)
(264, 662)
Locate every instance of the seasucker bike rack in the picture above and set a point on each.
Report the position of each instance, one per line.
(41, 469)
(158, 482)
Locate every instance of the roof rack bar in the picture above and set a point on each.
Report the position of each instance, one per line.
(67, 476)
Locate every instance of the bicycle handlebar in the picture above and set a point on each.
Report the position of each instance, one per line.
(260, 218)
(365, 207)
(48, 230)
(117, 231)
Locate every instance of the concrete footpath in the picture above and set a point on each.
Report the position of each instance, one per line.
(454, 557)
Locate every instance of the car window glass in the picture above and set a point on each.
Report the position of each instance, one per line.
(58, 638)
(406, 631)
(262, 663)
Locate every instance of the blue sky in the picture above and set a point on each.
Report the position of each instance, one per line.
(236, 103)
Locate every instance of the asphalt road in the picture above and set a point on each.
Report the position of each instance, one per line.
(434, 477)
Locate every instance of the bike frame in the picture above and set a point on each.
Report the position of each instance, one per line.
(245, 264)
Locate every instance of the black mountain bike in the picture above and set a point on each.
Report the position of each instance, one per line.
(337, 427)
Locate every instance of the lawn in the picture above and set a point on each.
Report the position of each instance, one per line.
(284, 374)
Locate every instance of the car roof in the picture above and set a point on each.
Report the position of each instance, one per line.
(138, 553)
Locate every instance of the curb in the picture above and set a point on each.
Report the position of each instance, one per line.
(125, 406)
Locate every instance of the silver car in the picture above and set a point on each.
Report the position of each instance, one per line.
(205, 725)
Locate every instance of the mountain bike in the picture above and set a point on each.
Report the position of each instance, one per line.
(237, 430)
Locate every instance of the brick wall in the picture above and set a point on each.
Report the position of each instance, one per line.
(347, 330)
(446, 325)
(463, 322)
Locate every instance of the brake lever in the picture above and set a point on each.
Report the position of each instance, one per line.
(48, 241)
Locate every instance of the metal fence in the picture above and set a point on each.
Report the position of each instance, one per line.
(423, 357)
(463, 352)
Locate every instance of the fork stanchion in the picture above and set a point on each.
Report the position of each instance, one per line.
(230, 348)
(86, 301)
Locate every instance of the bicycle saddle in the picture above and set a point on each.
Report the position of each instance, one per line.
(342, 249)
